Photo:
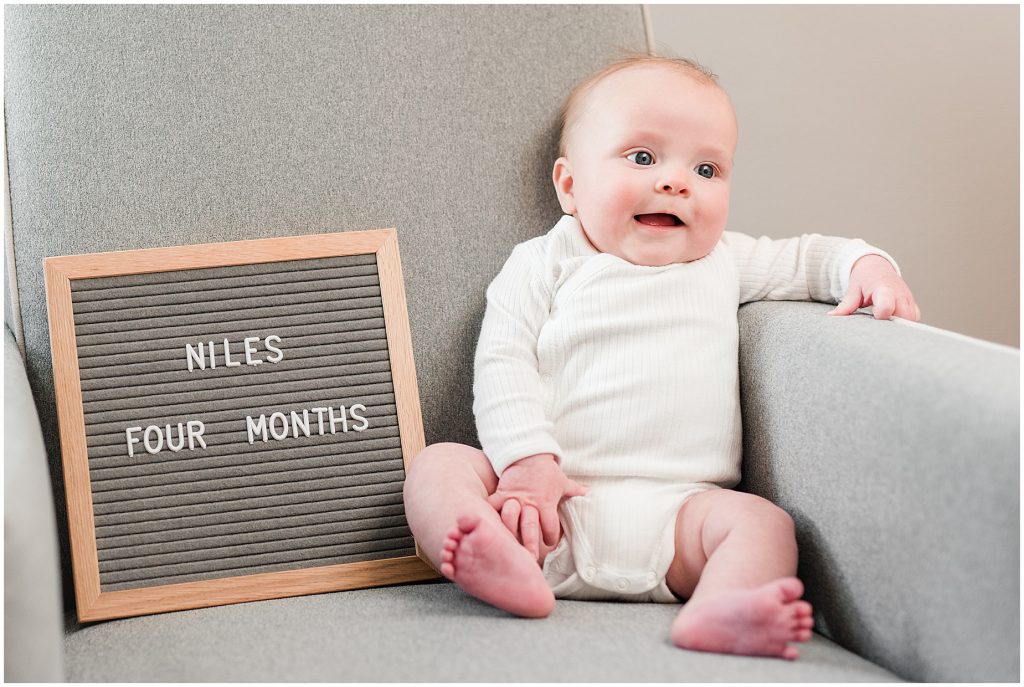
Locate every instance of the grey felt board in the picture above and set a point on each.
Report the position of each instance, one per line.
(320, 493)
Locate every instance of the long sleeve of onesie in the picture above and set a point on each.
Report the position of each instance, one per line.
(507, 393)
(807, 267)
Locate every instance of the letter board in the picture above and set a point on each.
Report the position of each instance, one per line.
(235, 420)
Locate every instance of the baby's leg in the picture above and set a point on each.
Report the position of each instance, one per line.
(446, 492)
(735, 561)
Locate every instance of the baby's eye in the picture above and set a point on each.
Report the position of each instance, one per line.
(706, 170)
(641, 157)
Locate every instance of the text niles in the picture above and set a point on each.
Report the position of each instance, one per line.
(207, 352)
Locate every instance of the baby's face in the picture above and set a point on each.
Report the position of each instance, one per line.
(648, 166)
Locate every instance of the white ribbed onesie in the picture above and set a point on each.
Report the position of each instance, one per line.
(629, 374)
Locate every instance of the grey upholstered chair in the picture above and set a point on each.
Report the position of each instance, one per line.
(894, 446)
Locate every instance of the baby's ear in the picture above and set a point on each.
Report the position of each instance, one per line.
(562, 176)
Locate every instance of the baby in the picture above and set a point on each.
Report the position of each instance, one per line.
(606, 391)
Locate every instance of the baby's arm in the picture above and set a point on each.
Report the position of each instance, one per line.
(822, 268)
(508, 403)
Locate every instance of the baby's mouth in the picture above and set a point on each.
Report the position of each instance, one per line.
(660, 219)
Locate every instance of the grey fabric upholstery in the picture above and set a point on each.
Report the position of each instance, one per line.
(896, 449)
(425, 633)
(33, 618)
(140, 126)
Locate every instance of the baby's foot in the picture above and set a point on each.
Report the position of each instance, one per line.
(753, 622)
(487, 561)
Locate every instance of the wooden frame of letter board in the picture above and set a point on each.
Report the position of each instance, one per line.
(95, 605)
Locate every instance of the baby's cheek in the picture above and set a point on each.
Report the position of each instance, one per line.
(712, 221)
(622, 200)
(715, 214)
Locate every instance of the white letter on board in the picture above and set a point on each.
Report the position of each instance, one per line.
(343, 420)
(227, 357)
(284, 426)
(195, 431)
(304, 423)
(181, 438)
(249, 350)
(190, 355)
(159, 436)
(280, 355)
(352, 412)
(251, 427)
(320, 417)
(131, 439)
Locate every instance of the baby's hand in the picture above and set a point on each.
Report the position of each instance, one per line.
(527, 498)
(874, 281)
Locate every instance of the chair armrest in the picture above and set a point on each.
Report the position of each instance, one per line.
(33, 608)
(895, 447)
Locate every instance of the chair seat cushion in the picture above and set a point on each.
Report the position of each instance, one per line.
(424, 632)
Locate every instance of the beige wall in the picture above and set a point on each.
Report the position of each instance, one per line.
(896, 124)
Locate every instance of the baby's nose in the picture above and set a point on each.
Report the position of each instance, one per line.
(674, 183)
(680, 187)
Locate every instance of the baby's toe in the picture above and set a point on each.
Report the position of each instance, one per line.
(447, 556)
(790, 653)
(802, 635)
(448, 570)
(803, 608)
(791, 589)
(467, 523)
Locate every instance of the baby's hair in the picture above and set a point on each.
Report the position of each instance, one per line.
(578, 94)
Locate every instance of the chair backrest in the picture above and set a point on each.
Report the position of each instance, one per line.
(142, 126)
